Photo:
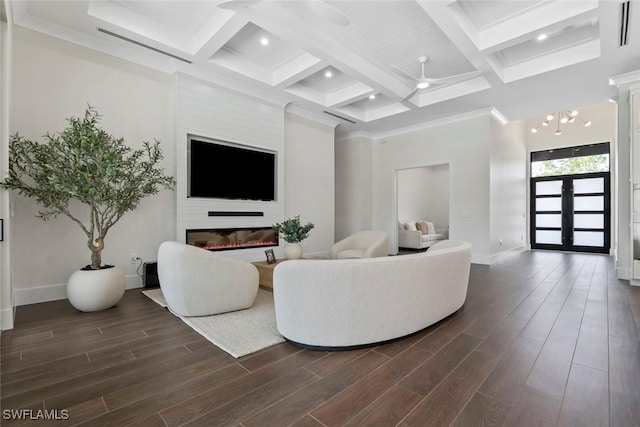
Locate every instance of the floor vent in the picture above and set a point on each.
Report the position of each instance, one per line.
(339, 117)
(624, 22)
(127, 39)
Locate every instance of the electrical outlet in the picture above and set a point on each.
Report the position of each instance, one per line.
(134, 258)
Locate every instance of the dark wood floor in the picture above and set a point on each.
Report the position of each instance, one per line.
(544, 339)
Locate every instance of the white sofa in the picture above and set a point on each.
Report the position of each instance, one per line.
(197, 282)
(410, 237)
(339, 303)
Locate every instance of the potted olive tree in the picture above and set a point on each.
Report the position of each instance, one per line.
(86, 164)
(293, 232)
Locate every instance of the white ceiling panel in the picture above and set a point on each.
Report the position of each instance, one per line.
(486, 14)
(247, 45)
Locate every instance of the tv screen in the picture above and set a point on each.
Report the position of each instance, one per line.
(226, 171)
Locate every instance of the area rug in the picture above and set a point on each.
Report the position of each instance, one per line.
(238, 333)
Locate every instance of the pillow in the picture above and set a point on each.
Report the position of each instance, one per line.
(410, 226)
(422, 226)
(431, 229)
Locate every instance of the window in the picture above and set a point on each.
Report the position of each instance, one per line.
(570, 161)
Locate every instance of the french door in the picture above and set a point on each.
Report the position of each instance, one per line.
(571, 213)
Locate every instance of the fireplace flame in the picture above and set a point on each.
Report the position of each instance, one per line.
(218, 239)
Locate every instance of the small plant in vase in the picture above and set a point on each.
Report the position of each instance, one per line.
(293, 232)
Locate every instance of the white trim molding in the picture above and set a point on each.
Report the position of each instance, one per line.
(58, 291)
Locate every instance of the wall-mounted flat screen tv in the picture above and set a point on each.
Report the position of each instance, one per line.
(223, 170)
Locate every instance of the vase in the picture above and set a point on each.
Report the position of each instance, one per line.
(95, 290)
(293, 250)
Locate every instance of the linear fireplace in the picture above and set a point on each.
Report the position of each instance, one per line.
(224, 239)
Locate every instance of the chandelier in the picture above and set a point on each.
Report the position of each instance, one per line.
(561, 117)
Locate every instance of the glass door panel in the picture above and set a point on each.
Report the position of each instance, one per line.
(588, 238)
(548, 204)
(588, 185)
(588, 203)
(581, 220)
(549, 237)
(545, 188)
(549, 220)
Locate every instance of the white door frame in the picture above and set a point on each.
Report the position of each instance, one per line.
(7, 307)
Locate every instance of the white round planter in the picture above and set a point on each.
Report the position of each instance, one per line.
(95, 290)
(293, 250)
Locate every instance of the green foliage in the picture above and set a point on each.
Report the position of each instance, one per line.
(571, 166)
(292, 231)
(85, 163)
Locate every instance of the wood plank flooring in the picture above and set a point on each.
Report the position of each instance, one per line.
(544, 338)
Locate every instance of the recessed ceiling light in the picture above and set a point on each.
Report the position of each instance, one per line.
(372, 96)
(264, 41)
(541, 37)
(587, 123)
(328, 74)
(534, 130)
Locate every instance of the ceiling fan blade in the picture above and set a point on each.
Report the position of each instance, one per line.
(408, 97)
(236, 5)
(454, 79)
(327, 12)
(403, 74)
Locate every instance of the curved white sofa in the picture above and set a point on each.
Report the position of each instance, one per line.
(357, 302)
(197, 282)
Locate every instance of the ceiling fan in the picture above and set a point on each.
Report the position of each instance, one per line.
(318, 7)
(424, 82)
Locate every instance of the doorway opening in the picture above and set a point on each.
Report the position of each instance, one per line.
(571, 199)
(423, 195)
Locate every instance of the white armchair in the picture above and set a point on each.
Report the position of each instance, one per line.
(197, 282)
(363, 244)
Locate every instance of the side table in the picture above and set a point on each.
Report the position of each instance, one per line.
(266, 272)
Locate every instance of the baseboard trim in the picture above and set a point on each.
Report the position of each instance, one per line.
(623, 273)
(6, 319)
(58, 291)
(501, 256)
(480, 259)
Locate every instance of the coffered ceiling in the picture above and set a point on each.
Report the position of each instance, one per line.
(356, 63)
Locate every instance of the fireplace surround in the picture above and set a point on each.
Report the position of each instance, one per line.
(224, 239)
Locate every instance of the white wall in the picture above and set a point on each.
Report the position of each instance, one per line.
(412, 193)
(464, 145)
(508, 177)
(214, 112)
(54, 80)
(423, 193)
(438, 195)
(354, 186)
(310, 180)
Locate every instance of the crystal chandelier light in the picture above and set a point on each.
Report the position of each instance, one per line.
(561, 117)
